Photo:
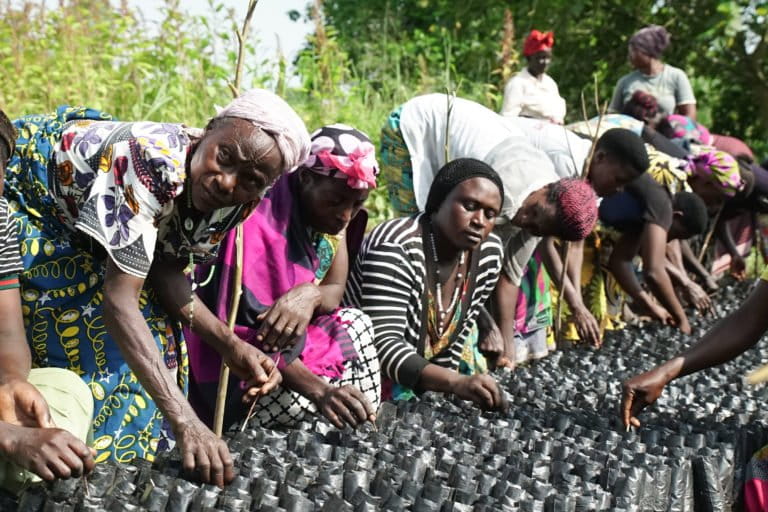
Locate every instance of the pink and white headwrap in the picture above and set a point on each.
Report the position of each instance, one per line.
(340, 151)
(275, 117)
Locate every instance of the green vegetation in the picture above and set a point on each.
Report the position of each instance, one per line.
(365, 58)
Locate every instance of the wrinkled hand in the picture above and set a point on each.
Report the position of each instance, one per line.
(586, 326)
(738, 268)
(288, 318)
(346, 405)
(50, 453)
(253, 366)
(205, 457)
(22, 404)
(639, 392)
(482, 390)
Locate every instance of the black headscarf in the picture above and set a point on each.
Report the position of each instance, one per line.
(452, 174)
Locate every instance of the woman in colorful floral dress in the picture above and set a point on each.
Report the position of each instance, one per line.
(104, 206)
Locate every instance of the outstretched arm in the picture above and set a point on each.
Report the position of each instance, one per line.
(653, 243)
(729, 338)
(620, 264)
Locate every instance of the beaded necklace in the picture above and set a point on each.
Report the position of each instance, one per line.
(458, 291)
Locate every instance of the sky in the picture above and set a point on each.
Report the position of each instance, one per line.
(270, 21)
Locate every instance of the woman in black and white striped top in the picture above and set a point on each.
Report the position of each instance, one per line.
(423, 280)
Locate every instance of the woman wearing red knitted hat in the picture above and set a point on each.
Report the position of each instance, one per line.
(532, 92)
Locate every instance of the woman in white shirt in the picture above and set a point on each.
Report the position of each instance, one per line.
(532, 92)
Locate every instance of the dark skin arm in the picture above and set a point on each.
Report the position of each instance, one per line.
(620, 265)
(676, 269)
(738, 266)
(28, 436)
(204, 455)
(246, 361)
(729, 338)
(491, 341)
(689, 110)
(693, 264)
(480, 389)
(345, 405)
(505, 295)
(586, 325)
(289, 316)
(653, 243)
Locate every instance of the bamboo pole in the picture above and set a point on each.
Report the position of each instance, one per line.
(234, 304)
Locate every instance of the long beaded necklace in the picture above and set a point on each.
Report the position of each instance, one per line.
(443, 313)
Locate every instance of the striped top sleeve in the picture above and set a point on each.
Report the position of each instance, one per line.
(10, 259)
(387, 283)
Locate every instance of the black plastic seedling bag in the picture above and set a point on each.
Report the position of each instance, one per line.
(708, 493)
(681, 487)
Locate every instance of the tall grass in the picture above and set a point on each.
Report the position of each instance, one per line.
(109, 56)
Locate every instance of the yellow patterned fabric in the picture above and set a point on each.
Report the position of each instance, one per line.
(396, 167)
(62, 301)
(599, 290)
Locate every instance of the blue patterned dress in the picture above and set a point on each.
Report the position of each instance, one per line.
(82, 188)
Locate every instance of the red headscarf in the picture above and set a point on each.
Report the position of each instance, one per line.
(537, 41)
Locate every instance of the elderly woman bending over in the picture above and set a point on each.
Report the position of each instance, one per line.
(106, 206)
(295, 270)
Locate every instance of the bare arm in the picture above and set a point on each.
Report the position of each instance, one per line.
(688, 110)
(728, 339)
(620, 264)
(287, 319)
(653, 252)
(15, 358)
(505, 296)
(203, 453)
(693, 264)
(345, 405)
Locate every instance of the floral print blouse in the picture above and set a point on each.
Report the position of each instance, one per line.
(117, 183)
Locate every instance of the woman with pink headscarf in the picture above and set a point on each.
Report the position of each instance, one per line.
(105, 208)
(532, 92)
(296, 251)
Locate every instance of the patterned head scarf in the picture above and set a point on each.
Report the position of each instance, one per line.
(340, 151)
(577, 207)
(720, 168)
(651, 40)
(276, 118)
(538, 41)
(687, 129)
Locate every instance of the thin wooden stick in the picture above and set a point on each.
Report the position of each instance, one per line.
(259, 395)
(709, 234)
(221, 396)
(242, 37)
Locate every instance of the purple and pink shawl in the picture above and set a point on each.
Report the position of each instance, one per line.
(278, 255)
